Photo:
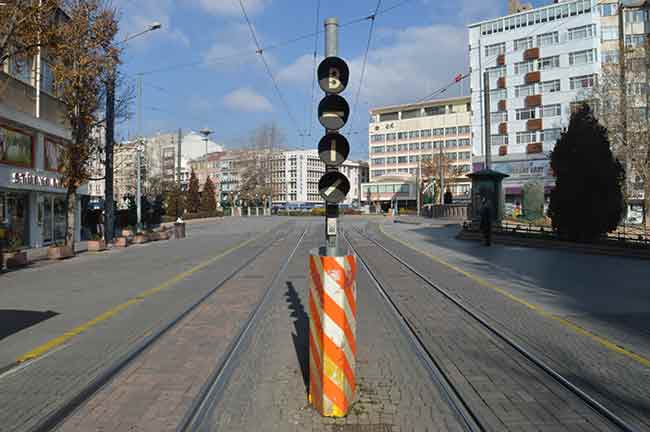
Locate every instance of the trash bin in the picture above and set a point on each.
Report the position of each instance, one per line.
(179, 230)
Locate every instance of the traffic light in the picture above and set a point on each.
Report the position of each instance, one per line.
(333, 148)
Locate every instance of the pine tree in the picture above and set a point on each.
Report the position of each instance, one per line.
(174, 201)
(193, 196)
(208, 197)
(587, 200)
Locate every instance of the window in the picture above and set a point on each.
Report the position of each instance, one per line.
(547, 63)
(609, 9)
(434, 110)
(21, 68)
(524, 67)
(525, 114)
(378, 138)
(550, 135)
(608, 33)
(391, 137)
(424, 133)
(496, 72)
(414, 159)
(414, 134)
(414, 146)
(585, 81)
(634, 16)
(583, 32)
(391, 160)
(497, 140)
(410, 114)
(525, 90)
(582, 57)
(391, 148)
(463, 142)
(378, 161)
(16, 147)
(609, 57)
(402, 147)
(496, 49)
(438, 132)
(526, 137)
(47, 78)
(498, 94)
(379, 149)
(451, 131)
(499, 116)
(633, 41)
(426, 145)
(452, 156)
(548, 39)
(550, 86)
(463, 130)
(551, 110)
(636, 88)
(437, 144)
(524, 43)
(389, 116)
(464, 155)
(451, 143)
(402, 135)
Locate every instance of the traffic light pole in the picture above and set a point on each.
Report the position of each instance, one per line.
(331, 210)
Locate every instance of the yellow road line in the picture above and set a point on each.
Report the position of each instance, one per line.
(536, 308)
(59, 340)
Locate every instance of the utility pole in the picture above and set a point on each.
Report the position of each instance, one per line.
(488, 133)
(331, 50)
(139, 143)
(109, 205)
(441, 171)
(417, 185)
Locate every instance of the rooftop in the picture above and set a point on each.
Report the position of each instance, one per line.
(424, 104)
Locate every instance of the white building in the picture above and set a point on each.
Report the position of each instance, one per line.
(295, 176)
(540, 63)
(401, 136)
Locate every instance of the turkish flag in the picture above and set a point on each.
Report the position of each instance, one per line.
(458, 77)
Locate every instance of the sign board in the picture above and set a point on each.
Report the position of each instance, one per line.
(333, 75)
(333, 149)
(333, 186)
(331, 226)
(333, 112)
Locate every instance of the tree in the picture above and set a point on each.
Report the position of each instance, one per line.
(208, 197)
(193, 200)
(619, 101)
(85, 50)
(587, 200)
(433, 169)
(174, 201)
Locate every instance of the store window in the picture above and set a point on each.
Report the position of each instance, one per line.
(16, 148)
(53, 151)
(14, 218)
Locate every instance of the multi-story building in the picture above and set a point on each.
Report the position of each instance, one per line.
(295, 175)
(125, 171)
(540, 64)
(32, 134)
(403, 136)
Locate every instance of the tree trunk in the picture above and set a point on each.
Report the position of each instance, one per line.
(71, 216)
(646, 204)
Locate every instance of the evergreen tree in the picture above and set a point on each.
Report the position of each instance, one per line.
(208, 197)
(193, 196)
(587, 200)
(174, 201)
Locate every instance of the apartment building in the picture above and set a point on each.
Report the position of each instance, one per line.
(125, 171)
(541, 64)
(295, 175)
(402, 136)
(32, 134)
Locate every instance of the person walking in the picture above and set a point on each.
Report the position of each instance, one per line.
(486, 221)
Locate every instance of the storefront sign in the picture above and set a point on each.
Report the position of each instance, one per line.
(29, 179)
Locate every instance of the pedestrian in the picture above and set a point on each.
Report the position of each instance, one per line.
(486, 221)
(100, 224)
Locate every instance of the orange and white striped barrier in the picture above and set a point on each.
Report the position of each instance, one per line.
(332, 333)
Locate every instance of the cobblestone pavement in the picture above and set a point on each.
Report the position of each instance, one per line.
(571, 289)
(33, 390)
(268, 389)
(155, 391)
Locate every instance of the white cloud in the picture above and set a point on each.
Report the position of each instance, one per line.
(246, 100)
(231, 7)
(233, 48)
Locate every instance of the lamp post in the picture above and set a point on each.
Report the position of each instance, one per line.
(206, 134)
(109, 206)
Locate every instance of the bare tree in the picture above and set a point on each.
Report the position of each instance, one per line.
(84, 52)
(439, 170)
(621, 103)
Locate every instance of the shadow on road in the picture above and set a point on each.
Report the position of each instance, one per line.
(13, 321)
(301, 335)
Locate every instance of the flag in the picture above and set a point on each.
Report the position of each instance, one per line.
(458, 77)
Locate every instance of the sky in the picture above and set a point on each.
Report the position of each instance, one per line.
(201, 68)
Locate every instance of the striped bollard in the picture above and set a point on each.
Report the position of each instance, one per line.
(332, 333)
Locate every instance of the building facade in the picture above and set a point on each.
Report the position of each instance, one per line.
(32, 134)
(541, 64)
(402, 136)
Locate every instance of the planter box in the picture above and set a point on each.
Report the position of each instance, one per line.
(159, 235)
(59, 252)
(121, 242)
(531, 54)
(534, 148)
(501, 83)
(502, 105)
(503, 128)
(534, 124)
(501, 59)
(96, 245)
(533, 77)
(141, 239)
(503, 150)
(533, 101)
(15, 260)
(127, 233)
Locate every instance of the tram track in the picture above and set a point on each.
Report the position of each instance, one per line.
(463, 407)
(58, 417)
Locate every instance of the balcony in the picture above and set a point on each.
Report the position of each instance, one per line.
(533, 77)
(501, 83)
(503, 150)
(502, 106)
(531, 54)
(534, 148)
(533, 101)
(503, 128)
(501, 59)
(534, 124)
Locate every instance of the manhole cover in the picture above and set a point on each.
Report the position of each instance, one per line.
(362, 428)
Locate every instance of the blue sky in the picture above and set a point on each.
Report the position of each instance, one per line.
(416, 48)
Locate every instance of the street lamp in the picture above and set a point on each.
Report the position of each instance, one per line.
(206, 134)
(110, 141)
(139, 148)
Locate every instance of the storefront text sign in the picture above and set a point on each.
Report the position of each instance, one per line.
(30, 179)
